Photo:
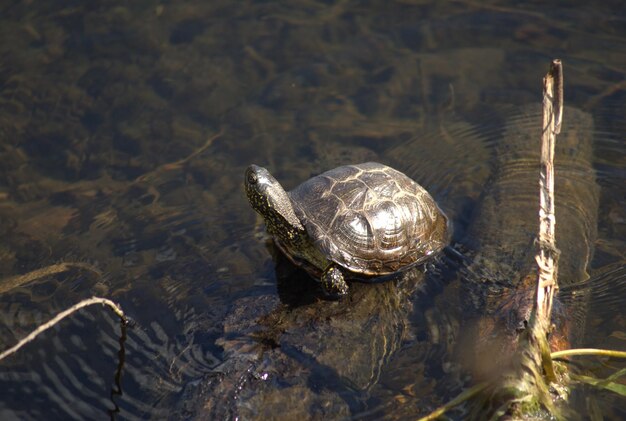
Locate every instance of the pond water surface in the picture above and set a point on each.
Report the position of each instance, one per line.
(125, 130)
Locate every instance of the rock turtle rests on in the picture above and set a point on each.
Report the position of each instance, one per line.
(357, 221)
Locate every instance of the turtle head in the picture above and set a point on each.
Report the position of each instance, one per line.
(271, 201)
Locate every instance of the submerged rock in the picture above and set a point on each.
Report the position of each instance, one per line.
(311, 360)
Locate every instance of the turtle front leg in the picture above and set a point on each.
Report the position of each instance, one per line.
(333, 282)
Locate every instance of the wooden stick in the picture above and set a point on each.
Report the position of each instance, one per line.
(547, 258)
(61, 316)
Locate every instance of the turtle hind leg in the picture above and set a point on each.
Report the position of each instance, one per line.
(333, 282)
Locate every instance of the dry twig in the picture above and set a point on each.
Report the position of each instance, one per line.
(547, 259)
(42, 328)
(548, 255)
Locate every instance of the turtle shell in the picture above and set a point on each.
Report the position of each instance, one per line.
(370, 218)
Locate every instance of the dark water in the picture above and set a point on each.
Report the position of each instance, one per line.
(112, 182)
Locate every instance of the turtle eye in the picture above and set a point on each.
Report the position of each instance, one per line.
(252, 178)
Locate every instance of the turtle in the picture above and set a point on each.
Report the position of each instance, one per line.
(356, 221)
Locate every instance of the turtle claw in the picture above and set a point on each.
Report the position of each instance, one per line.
(333, 282)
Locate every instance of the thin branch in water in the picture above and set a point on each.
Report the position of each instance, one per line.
(121, 357)
(8, 284)
(607, 92)
(55, 320)
(181, 162)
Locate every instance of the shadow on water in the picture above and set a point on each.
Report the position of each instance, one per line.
(110, 185)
